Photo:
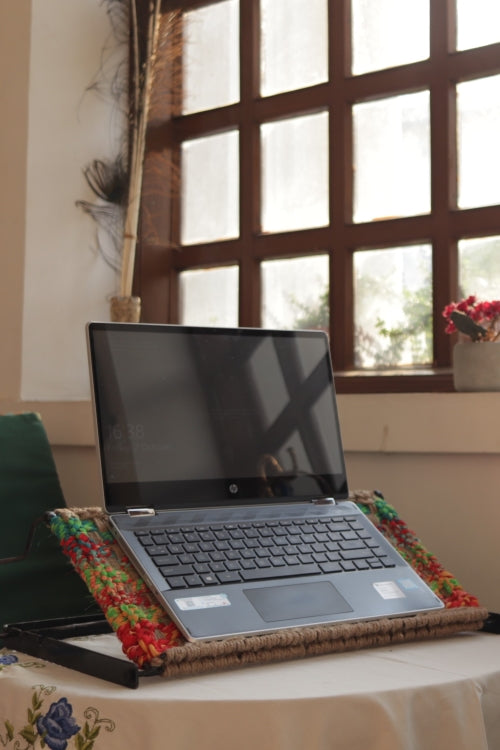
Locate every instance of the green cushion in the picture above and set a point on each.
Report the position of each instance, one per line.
(44, 585)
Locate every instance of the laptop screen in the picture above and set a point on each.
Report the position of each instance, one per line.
(190, 416)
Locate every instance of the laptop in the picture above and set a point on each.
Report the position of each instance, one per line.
(224, 481)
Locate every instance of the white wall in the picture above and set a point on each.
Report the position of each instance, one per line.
(436, 458)
(67, 128)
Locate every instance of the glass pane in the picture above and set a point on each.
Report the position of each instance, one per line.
(393, 307)
(478, 23)
(209, 296)
(387, 33)
(211, 71)
(479, 268)
(294, 44)
(295, 293)
(295, 173)
(478, 122)
(392, 157)
(210, 188)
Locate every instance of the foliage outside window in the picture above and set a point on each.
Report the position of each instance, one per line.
(330, 164)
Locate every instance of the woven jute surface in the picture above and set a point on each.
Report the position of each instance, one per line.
(295, 644)
(151, 639)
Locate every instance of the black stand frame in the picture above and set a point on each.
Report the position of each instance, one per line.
(44, 639)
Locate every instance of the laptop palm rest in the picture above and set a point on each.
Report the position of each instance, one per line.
(297, 600)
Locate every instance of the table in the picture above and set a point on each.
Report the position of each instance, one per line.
(432, 695)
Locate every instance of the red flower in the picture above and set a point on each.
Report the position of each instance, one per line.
(485, 314)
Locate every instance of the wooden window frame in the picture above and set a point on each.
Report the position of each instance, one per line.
(160, 258)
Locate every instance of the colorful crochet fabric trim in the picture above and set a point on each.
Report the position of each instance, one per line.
(141, 625)
(143, 628)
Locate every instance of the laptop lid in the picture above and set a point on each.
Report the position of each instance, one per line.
(201, 417)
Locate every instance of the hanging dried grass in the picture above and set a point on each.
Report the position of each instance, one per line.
(117, 183)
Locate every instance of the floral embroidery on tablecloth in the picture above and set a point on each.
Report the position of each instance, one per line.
(7, 659)
(54, 726)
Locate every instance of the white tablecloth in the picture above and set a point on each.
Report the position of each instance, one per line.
(439, 695)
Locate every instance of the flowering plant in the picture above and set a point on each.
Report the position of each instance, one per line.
(478, 320)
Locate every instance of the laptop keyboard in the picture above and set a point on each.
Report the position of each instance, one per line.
(204, 555)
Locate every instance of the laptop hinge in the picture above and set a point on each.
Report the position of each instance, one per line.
(324, 501)
(134, 512)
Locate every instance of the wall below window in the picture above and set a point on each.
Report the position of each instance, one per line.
(421, 422)
(451, 502)
(436, 458)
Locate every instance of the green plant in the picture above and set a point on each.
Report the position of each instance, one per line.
(316, 316)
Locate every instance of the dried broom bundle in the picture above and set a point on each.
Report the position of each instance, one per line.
(117, 182)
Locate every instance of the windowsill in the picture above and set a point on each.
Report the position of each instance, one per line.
(395, 381)
(370, 422)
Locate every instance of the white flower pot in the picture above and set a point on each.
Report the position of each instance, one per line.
(476, 366)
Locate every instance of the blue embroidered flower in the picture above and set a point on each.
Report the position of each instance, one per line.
(6, 659)
(58, 725)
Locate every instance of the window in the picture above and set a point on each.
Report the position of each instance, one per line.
(332, 164)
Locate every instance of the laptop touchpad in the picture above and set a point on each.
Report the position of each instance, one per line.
(297, 600)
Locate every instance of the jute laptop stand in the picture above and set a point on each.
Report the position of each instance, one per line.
(153, 644)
